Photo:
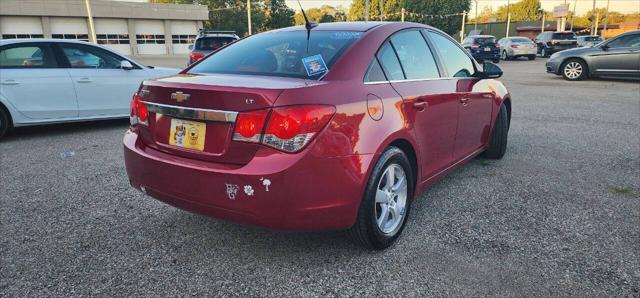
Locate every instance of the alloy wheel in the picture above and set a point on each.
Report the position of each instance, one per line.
(573, 70)
(504, 55)
(391, 199)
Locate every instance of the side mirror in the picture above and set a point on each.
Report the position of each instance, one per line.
(604, 47)
(190, 47)
(126, 65)
(490, 71)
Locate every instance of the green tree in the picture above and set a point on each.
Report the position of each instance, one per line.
(324, 14)
(279, 15)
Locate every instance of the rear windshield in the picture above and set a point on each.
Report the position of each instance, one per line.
(564, 36)
(520, 40)
(485, 40)
(211, 43)
(592, 38)
(278, 53)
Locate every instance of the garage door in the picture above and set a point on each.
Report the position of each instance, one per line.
(150, 37)
(182, 34)
(114, 34)
(70, 28)
(20, 27)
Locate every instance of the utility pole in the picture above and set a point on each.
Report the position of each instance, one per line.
(544, 14)
(381, 5)
(573, 14)
(403, 12)
(92, 30)
(508, 17)
(366, 10)
(606, 20)
(593, 28)
(249, 15)
(464, 19)
(475, 26)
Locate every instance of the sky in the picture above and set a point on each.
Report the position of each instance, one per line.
(582, 6)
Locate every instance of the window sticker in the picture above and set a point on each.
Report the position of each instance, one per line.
(314, 65)
(346, 35)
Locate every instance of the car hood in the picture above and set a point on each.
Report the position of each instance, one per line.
(579, 51)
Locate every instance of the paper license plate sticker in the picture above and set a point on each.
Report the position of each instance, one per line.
(314, 65)
(487, 49)
(187, 134)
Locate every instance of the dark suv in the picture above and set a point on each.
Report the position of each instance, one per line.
(550, 42)
(209, 41)
(483, 47)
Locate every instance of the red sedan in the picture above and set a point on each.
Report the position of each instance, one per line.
(335, 128)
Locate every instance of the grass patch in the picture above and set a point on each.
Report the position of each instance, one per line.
(619, 190)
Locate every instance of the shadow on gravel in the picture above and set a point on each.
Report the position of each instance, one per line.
(51, 130)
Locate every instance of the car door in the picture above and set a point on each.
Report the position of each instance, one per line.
(32, 82)
(620, 56)
(103, 88)
(414, 74)
(474, 99)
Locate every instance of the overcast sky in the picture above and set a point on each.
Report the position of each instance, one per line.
(582, 6)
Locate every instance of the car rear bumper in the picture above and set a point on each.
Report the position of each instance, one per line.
(486, 56)
(522, 52)
(304, 191)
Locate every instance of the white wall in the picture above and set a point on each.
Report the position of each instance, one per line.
(69, 26)
(110, 27)
(183, 28)
(20, 25)
(155, 27)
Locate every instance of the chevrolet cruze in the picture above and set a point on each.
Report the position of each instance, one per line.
(337, 127)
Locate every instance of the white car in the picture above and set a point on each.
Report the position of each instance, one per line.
(46, 81)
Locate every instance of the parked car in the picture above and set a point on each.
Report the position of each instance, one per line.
(550, 42)
(338, 131)
(589, 40)
(616, 57)
(209, 41)
(517, 46)
(483, 47)
(49, 80)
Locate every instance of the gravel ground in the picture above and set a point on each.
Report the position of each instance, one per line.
(558, 216)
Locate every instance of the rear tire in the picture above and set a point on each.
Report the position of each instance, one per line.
(532, 57)
(543, 53)
(376, 228)
(505, 56)
(5, 121)
(498, 143)
(496, 60)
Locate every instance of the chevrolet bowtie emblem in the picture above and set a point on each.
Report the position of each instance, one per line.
(180, 97)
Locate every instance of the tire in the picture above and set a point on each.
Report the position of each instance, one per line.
(543, 53)
(532, 57)
(574, 70)
(367, 231)
(496, 60)
(5, 121)
(498, 143)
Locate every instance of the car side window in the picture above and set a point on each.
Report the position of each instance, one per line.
(28, 56)
(456, 61)
(629, 41)
(389, 62)
(375, 72)
(415, 56)
(81, 56)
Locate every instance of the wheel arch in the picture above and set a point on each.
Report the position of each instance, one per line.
(4, 108)
(507, 104)
(408, 149)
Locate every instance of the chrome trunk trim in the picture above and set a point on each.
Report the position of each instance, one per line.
(192, 113)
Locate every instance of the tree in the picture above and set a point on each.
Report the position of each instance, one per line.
(279, 15)
(442, 14)
(324, 14)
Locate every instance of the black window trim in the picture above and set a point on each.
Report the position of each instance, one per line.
(32, 44)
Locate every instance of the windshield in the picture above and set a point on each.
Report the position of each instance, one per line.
(278, 53)
(592, 38)
(564, 36)
(485, 40)
(212, 43)
(520, 40)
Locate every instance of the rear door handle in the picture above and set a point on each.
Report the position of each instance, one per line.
(464, 101)
(10, 82)
(85, 80)
(420, 105)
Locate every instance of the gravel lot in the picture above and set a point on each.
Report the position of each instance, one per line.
(559, 215)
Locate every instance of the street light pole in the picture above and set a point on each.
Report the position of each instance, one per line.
(475, 26)
(92, 30)
(249, 15)
(593, 12)
(508, 17)
(381, 5)
(606, 20)
(573, 14)
(366, 10)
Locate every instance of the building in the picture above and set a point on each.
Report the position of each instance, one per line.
(131, 28)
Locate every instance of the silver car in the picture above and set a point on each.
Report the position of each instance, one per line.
(517, 46)
(617, 57)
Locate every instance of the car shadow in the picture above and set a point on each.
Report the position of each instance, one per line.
(58, 129)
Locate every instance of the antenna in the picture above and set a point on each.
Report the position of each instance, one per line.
(307, 24)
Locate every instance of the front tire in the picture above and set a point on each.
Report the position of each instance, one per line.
(498, 143)
(387, 200)
(5, 123)
(574, 70)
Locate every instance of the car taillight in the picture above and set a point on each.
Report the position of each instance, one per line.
(196, 56)
(139, 114)
(475, 46)
(553, 41)
(497, 46)
(534, 45)
(288, 129)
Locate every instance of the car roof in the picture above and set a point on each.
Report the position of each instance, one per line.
(483, 36)
(29, 40)
(219, 35)
(341, 26)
